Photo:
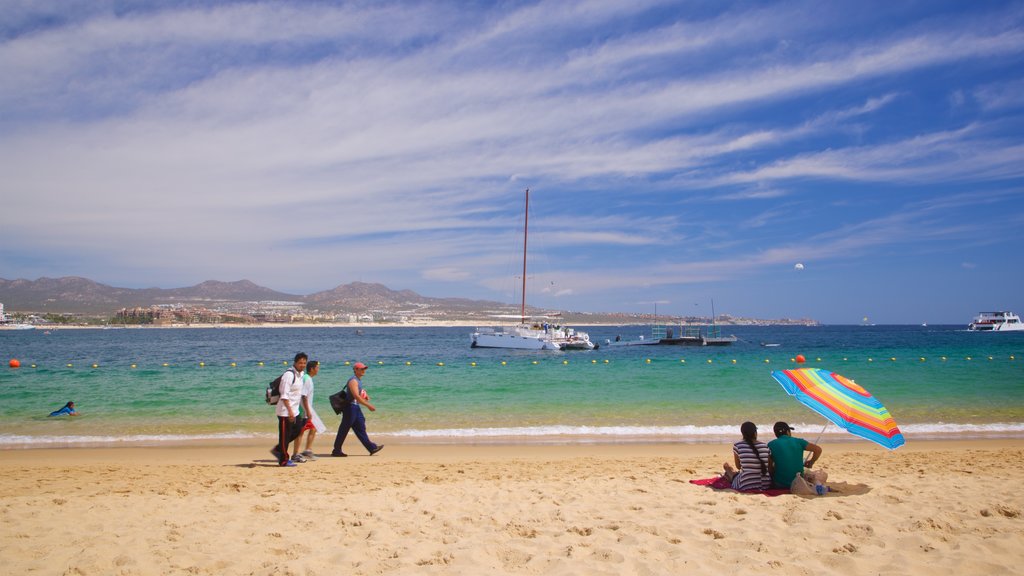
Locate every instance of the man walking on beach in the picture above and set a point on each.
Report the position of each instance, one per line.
(788, 458)
(352, 415)
(288, 423)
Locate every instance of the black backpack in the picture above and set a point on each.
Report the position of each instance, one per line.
(274, 388)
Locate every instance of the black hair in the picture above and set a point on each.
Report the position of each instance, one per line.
(312, 364)
(301, 356)
(749, 431)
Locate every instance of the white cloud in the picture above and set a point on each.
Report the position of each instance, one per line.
(1001, 95)
(450, 274)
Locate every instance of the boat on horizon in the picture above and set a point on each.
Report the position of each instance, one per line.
(532, 335)
(7, 326)
(1002, 321)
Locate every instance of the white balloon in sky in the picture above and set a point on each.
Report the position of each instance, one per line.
(798, 266)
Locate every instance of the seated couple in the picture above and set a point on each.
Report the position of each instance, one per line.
(778, 464)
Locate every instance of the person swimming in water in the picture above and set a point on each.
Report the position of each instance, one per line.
(67, 410)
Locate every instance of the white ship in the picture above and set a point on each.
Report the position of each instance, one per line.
(531, 337)
(996, 322)
(526, 335)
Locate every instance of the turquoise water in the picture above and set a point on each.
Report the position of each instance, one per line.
(936, 381)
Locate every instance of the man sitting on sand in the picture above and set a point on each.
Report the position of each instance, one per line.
(788, 459)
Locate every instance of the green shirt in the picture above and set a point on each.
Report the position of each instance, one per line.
(788, 454)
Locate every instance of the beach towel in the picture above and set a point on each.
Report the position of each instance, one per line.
(720, 483)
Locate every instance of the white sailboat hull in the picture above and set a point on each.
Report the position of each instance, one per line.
(516, 339)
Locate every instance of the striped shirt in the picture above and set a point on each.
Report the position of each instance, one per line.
(750, 476)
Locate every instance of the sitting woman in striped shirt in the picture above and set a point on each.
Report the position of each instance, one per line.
(751, 457)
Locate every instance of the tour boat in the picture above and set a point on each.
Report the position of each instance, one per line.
(996, 322)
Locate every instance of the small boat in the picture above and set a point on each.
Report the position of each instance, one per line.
(530, 335)
(684, 335)
(638, 342)
(770, 344)
(693, 335)
(19, 326)
(996, 322)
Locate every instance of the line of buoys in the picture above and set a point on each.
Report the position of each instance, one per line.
(798, 359)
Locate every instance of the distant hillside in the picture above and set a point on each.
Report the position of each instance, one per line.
(365, 296)
(213, 290)
(72, 294)
(83, 296)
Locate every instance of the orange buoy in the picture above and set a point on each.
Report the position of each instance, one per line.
(14, 363)
(800, 359)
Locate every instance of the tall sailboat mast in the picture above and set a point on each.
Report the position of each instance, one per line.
(526, 228)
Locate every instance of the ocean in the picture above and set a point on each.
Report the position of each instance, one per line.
(153, 385)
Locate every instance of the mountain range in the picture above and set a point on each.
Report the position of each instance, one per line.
(75, 295)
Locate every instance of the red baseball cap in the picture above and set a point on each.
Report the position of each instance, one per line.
(359, 366)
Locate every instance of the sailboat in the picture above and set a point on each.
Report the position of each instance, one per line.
(530, 335)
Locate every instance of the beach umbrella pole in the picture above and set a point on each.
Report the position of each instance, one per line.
(819, 435)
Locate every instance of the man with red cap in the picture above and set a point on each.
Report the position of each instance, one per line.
(352, 415)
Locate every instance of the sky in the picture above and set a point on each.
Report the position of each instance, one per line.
(677, 153)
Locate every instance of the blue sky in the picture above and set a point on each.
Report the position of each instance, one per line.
(676, 151)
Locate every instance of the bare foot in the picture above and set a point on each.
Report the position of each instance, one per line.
(729, 471)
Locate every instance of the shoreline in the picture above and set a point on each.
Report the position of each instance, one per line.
(216, 452)
(842, 443)
(415, 324)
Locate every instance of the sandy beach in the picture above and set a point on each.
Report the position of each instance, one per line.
(931, 507)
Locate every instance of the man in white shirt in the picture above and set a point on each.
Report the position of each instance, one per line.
(288, 423)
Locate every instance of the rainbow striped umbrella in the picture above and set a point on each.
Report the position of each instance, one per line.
(843, 402)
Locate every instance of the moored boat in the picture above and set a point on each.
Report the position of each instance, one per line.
(527, 336)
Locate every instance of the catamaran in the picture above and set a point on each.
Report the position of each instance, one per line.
(530, 335)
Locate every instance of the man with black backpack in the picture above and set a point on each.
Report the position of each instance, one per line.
(288, 422)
